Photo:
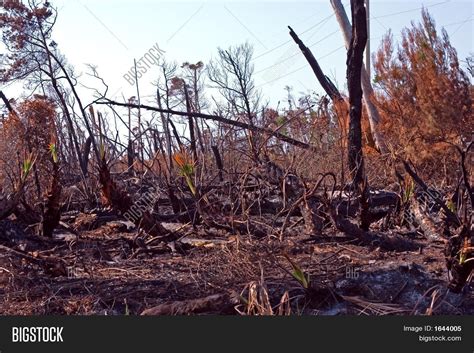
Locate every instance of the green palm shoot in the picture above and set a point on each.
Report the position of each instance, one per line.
(186, 170)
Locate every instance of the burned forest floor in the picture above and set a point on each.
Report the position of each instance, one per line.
(202, 196)
(99, 264)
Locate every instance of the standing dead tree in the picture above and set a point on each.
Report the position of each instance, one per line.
(354, 67)
(163, 95)
(192, 128)
(232, 73)
(194, 78)
(355, 153)
(52, 208)
(27, 30)
(372, 111)
(182, 92)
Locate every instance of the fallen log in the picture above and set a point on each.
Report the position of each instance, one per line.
(352, 230)
(217, 303)
(52, 265)
(451, 217)
(380, 201)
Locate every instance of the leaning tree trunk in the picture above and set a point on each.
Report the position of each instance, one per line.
(372, 112)
(325, 82)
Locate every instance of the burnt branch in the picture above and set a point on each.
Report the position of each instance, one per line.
(217, 118)
(325, 82)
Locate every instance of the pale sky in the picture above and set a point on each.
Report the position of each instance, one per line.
(111, 33)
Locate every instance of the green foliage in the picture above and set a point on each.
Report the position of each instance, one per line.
(54, 152)
(299, 274)
(452, 206)
(424, 96)
(186, 169)
(102, 151)
(26, 167)
(280, 121)
(409, 189)
(465, 252)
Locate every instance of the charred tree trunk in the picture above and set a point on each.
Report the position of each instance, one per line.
(121, 202)
(6, 102)
(85, 155)
(372, 112)
(175, 134)
(166, 128)
(354, 67)
(192, 130)
(217, 157)
(70, 124)
(465, 174)
(52, 211)
(130, 155)
(459, 251)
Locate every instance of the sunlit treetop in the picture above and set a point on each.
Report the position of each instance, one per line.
(26, 32)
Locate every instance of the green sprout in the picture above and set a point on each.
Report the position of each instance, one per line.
(409, 190)
(54, 152)
(299, 274)
(451, 205)
(26, 167)
(186, 169)
(465, 252)
(102, 151)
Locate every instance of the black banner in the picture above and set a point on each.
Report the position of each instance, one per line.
(246, 334)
